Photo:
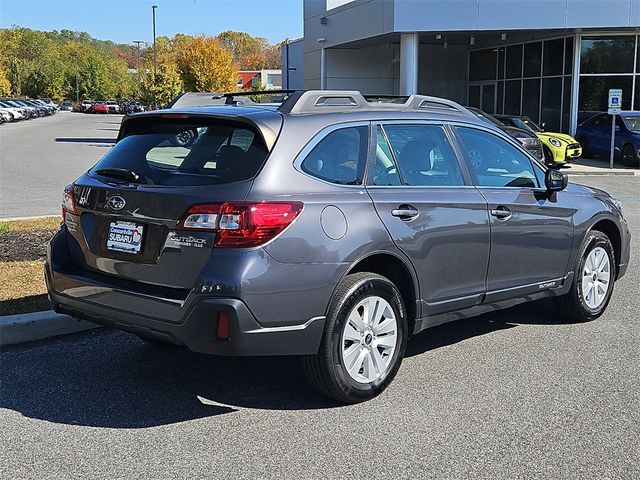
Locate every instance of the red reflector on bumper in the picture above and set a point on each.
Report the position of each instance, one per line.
(222, 332)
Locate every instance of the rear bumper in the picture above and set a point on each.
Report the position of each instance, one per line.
(191, 322)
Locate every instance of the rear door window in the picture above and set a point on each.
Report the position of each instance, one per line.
(425, 155)
(340, 157)
(187, 154)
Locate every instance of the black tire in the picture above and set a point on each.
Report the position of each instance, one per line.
(325, 370)
(629, 156)
(584, 143)
(548, 157)
(572, 304)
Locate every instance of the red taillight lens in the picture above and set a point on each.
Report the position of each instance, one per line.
(253, 224)
(68, 201)
(241, 224)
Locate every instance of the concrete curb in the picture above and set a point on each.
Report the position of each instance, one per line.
(603, 172)
(37, 217)
(28, 327)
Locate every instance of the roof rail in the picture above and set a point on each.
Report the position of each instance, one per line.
(204, 99)
(317, 101)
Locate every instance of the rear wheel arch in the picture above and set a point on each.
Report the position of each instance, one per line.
(399, 273)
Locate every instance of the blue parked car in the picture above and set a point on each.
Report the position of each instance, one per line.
(594, 134)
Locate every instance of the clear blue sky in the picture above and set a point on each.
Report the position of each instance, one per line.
(123, 21)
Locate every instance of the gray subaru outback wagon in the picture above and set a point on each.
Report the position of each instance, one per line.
(332, 226)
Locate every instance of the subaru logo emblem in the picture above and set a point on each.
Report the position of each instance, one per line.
(116, 202)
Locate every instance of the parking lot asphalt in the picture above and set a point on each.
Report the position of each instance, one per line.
(513, 394)
(39, 157)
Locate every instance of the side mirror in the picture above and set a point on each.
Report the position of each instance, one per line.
(543, 125)
(555, 180)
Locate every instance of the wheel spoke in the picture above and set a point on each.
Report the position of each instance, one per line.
(350, 354)
(354, 368)
(356, 321)
(378, 361)
(350, 333)
(370, 370)
(388, 325)
(378, 313)
(388, 341)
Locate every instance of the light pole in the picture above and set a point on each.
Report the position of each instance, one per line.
(155, 67)
(138, 42)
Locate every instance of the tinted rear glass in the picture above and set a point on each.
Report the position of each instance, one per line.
(164, 152)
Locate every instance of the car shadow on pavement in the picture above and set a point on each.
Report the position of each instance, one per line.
(541, 312)
(85, 140)
(106, 378)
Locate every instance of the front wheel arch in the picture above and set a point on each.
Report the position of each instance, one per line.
(611, 230)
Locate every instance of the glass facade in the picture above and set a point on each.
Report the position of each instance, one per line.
(608, 62)
(532, 78)
(535, 78)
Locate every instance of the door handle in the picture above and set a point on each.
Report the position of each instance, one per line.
(405, 212)
(502, 213)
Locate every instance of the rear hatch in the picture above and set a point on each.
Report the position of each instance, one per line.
(123, 216)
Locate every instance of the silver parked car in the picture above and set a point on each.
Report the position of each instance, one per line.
(330, 226)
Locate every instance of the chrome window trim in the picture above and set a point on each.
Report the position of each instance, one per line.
(321, 135)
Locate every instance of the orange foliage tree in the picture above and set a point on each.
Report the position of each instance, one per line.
(205, 65)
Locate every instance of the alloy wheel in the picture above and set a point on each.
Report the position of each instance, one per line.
(596, 276)
(369, 339)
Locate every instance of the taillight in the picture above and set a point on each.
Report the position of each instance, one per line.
(68, 201)
(241, 224)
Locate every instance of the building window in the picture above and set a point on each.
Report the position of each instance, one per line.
(594, 92)
(552, 103)
(607, 55)
(512, 95)
(482, 65)
(606, 63)
(532, 59)
(531, 99)
(514, 61)
(553, 57)
(568, 55)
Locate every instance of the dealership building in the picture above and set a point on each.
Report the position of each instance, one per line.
(551, 60)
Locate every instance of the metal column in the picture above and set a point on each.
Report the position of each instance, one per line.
(409, 46)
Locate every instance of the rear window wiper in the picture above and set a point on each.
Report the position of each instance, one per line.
(121, 173)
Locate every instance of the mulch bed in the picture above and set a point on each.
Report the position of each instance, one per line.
(21, 245)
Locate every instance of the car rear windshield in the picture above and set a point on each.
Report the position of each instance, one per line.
(185, 153)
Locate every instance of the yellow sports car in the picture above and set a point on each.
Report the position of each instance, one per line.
(559, 148)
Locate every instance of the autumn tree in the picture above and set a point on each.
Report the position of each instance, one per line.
(5, 85)
(206, 66)
(160, 86)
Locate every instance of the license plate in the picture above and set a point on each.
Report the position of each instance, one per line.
(125, 237)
